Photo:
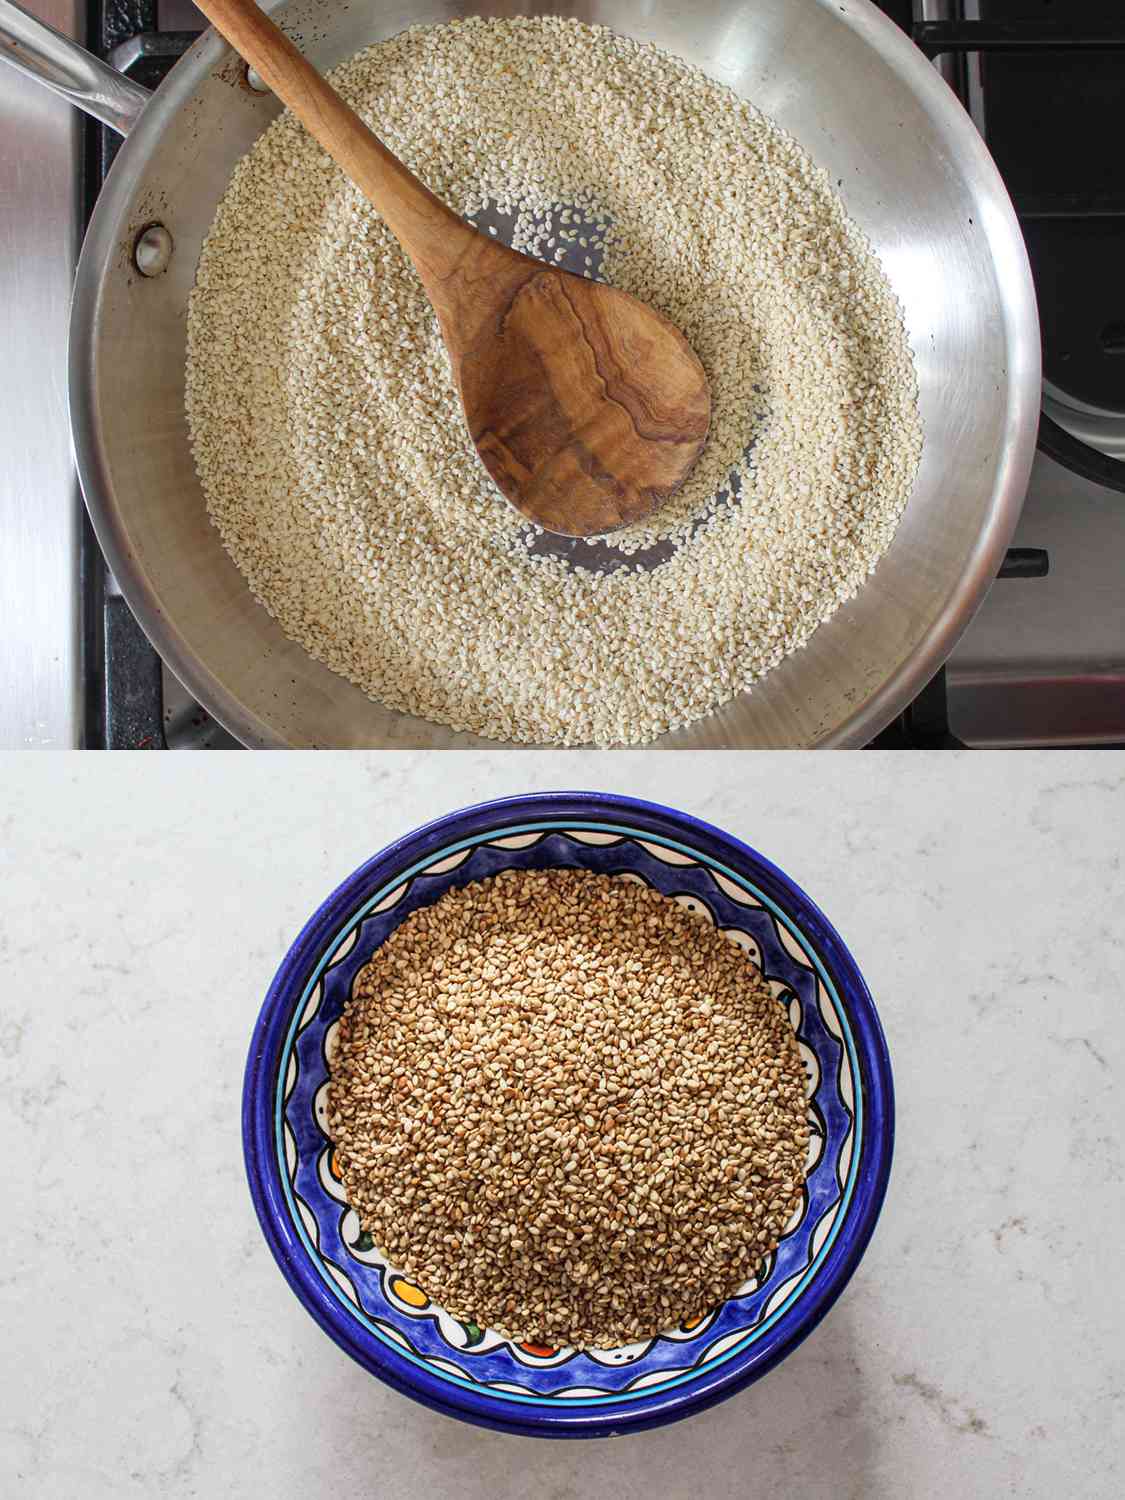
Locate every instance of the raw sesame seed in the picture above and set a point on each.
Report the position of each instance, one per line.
(329, 439)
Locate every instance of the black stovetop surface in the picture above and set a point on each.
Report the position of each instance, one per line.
(1053, 123)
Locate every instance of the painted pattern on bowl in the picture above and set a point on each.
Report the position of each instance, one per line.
(480, 1374)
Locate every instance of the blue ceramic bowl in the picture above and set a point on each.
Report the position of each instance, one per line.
(387, 1323)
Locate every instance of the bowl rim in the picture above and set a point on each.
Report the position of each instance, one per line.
(276, 1013)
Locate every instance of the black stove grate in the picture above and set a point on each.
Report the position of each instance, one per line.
(1051, 81)
(124, 703)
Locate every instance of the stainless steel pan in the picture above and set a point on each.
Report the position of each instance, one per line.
(839, 76)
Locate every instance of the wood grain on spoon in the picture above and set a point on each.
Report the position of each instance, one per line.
(587, 407)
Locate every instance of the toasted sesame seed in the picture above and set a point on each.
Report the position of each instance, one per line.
(498, 1178)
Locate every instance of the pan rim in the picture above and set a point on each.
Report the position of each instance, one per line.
(874, 709)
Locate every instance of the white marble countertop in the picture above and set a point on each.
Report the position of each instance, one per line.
(151, 1347)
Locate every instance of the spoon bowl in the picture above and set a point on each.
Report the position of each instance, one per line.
(587, 408)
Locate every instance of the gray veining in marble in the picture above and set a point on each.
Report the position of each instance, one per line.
(151, 1348)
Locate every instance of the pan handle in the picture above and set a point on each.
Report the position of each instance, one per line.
(68, 69)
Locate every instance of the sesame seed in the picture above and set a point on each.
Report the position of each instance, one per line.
(329, 439)
(569, 1109)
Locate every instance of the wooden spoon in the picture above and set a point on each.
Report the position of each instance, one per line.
(587, 407)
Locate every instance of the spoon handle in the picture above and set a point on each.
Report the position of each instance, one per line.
(431, 234)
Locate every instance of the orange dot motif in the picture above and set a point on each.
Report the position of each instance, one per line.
(407, 1292)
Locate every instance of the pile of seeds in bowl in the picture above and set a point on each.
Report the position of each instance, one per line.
(330, 443)
(569, 1107)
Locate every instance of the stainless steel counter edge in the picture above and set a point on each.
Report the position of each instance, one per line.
(40, 506)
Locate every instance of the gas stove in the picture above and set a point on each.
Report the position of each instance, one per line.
(1043, 662)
